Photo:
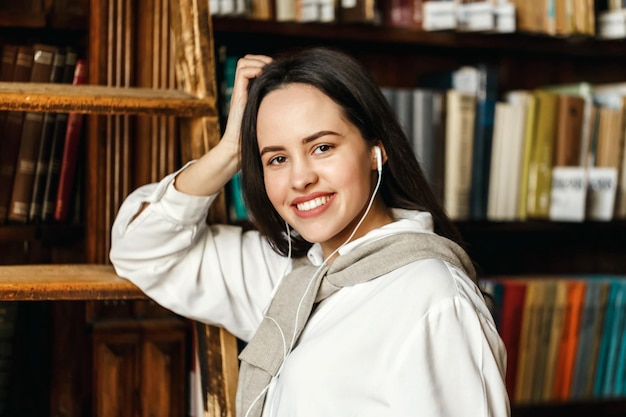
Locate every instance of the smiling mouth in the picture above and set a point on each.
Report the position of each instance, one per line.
(313, 204)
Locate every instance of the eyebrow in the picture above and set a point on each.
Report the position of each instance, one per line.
(305, 140)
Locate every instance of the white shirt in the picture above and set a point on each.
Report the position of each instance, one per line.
(418, 341)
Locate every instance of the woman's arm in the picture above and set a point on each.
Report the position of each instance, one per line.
(215, 274)
(216, 167)
(160, 240)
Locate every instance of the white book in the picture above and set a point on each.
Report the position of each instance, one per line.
(515, 134)
(285, 10)
(439, 15)
(602, 186)
(461, 111)
(493, 199)
(568, 194)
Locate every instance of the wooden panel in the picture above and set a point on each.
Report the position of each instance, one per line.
(116, 384)
(70, 385)
(163, 373)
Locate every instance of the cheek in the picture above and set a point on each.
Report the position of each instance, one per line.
(353, 175)
(275, 188)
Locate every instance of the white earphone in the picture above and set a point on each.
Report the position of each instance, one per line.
(379, 159)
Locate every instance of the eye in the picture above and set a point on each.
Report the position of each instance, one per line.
(277, 160)
(323, 148)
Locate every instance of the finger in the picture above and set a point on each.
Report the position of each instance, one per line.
(262, 58)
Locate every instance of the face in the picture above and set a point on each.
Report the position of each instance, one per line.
(319, 172)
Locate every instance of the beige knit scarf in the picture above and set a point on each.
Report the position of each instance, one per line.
(262, 359)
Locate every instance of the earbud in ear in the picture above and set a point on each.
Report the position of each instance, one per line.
(379, 159)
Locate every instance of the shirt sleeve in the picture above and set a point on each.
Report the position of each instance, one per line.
(463, 361)
(214, 274)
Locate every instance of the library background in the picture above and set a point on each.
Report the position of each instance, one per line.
(516, 113)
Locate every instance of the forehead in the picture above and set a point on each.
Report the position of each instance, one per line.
(297, 110)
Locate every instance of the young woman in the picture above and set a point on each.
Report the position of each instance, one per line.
(353, 291)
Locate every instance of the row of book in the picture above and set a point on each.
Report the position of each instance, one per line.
(562, 18)
(39, 151)
(466, 15)
(552, 153)
(565, 336)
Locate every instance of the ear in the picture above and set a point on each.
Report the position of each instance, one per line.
(382, 154)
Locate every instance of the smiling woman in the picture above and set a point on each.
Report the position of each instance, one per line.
(353, 272)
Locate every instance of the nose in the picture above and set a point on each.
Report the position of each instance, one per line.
(302, 174)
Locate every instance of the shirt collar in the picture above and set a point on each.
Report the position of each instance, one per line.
(405, 221)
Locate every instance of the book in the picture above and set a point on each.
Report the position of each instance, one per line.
(541, 161)
(605, 384)
(24, 177)
(545, 310)
(512, 314)
(612, 321)
(506, 162)
(528, 342)
(403, 106)
(527, 107)
(555, 339)
(598, 331)
(426, 118)
(12, 132)
(496, 177)
(459, 142)
(569, 340)
(45, 144)
(73, 132)
(569, 131)
(56, 146)
(402, 13)
(486, 96)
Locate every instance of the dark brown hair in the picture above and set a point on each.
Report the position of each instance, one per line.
(346, 82)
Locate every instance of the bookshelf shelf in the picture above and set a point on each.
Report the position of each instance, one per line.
(64, 282)
(55, 234)
(375, 35)
(11, 19)
(95, 99)
(609, 407)
(550, 247)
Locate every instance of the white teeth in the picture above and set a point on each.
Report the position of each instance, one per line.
(310, 205)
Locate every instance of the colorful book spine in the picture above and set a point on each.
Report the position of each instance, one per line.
(64, 198)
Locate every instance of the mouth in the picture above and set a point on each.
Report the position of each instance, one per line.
(313, 204)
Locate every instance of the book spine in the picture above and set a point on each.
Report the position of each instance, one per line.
(19, 207)
(70, 152)
(12, 131)
(483, 132)
(45, 143)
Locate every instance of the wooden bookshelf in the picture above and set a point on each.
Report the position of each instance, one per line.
(399, 57)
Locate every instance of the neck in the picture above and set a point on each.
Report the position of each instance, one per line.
(378, 216)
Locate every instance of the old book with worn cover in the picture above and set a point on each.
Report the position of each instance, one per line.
(29, 143)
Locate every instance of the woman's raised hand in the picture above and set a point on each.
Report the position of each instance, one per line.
(248, 67)
(215, 168)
